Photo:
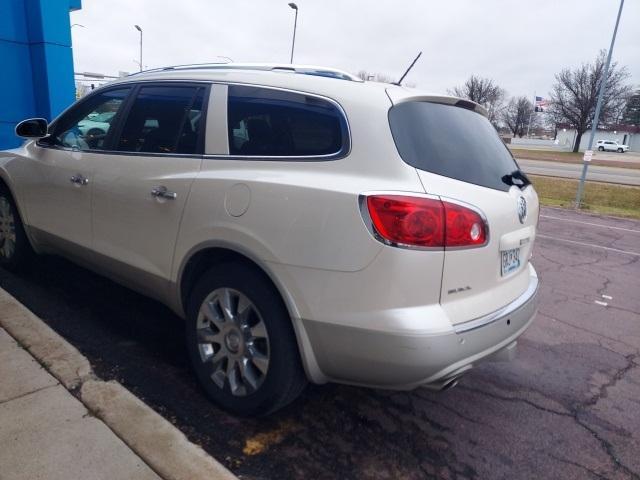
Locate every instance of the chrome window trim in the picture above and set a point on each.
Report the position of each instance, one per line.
(342, 153)
(528, 295)
(368, 222)
(121, 152)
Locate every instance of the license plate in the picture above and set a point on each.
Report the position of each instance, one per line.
(510, 260)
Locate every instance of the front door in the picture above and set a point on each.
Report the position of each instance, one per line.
(59, 170)
(141, 190)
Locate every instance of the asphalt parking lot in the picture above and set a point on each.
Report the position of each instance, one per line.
(568, 407)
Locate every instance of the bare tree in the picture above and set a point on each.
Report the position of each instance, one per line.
(575, 94)
(517, 115)
(375, 77)
(485, 92)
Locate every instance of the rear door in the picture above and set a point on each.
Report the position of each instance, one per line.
(141, 187)
(459, 156)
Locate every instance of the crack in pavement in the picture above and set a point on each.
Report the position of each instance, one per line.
(575, 464)
(450, 410)
(591, 332)
(516, 399)
(631, 364)
(577, 410)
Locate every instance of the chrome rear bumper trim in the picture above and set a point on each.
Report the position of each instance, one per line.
(505, 311)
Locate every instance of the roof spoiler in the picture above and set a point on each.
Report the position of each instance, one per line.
(400, 95)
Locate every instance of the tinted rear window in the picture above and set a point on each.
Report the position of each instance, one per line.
(268, 122)
(451, 141)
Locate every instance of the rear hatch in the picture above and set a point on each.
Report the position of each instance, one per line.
(458, 155)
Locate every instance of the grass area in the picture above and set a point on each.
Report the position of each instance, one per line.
(602, 198)
(569, 157)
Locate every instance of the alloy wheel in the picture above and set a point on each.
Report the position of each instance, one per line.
(233, 340)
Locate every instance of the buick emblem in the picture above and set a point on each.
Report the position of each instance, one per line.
(522, 209)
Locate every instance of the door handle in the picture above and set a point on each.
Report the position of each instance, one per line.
(79, 180)
(162, 192)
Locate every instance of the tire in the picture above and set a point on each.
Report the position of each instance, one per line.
(15, 250)
(620, 150)
(601, 149)
(255, 334)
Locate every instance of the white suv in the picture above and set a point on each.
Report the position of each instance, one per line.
(306, 224)
(611, 146)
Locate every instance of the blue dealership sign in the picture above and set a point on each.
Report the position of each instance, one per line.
(36, 62)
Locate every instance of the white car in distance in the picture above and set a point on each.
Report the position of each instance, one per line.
(611, 146)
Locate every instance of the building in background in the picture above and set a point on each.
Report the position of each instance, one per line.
(37, 62)
(624, 134)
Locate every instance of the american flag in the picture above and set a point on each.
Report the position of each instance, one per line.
(541, 104)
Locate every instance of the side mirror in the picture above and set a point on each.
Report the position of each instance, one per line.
(32, 128)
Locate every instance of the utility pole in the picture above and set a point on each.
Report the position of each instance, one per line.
(596, 117)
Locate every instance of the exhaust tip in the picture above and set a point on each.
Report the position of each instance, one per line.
(449, 381)
(450, 384)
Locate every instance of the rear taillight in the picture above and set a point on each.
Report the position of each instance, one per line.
(408, 220)
(425, 222)
(464, 228)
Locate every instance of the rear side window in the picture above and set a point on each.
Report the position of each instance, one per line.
(164, 119)
(273, 123)
(453, 142)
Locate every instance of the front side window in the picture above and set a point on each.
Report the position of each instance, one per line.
(85, 126)
(164, 119)
(272, 123)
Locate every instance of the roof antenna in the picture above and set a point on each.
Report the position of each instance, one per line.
(408, 70)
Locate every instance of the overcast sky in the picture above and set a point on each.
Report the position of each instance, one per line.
(520, 44)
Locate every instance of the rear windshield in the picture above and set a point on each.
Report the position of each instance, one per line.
(454, 142)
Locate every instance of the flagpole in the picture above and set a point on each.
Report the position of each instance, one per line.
(531, 113)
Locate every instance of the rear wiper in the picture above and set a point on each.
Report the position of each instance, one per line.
(517, 178)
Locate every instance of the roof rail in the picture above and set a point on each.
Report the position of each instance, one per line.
(271, 67)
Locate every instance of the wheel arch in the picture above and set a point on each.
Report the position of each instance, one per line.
(204, 257)
(6, 183)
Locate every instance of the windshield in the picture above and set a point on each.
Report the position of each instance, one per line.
(454, 142)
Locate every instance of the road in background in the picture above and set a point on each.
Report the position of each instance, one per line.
(567, 407)
(625, 176)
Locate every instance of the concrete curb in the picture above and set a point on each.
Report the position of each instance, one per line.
(60, 358)
(162, 446)
(155, 440)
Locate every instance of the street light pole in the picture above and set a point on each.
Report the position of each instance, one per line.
(295, 26)
(596, 117)
(140, 30)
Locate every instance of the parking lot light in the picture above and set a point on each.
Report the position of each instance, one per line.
(295, 25)
(140, 30)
